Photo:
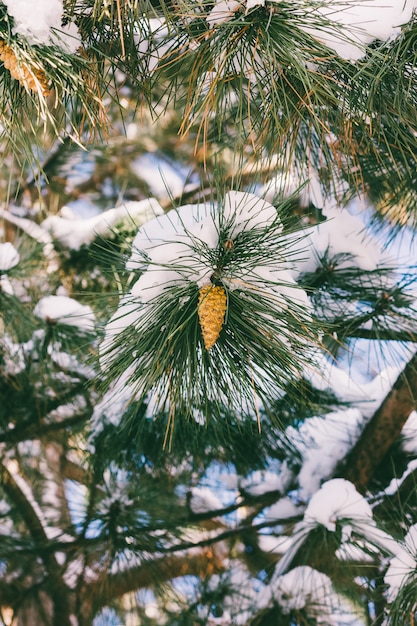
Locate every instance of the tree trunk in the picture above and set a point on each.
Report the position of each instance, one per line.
(383, 429)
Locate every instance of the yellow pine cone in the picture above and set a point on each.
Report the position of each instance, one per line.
(212, 303)
(31, 78)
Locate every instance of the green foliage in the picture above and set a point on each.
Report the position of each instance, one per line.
(169, 487)
(362, 303)
(263, 342)
(254, 80)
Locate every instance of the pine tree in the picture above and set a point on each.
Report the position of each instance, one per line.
(207, 313)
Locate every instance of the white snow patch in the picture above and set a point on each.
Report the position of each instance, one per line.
(163, 178)
(65, 311)
(301, 587)
(403, 565)
(204, 499)
(275, 545)
(9, 256)
(281, 510)
(263, 481)
(409, 434)
(245, 211)
(73, 232)
(5, 285)
(342, 235)
(353, 24)
(323, 442)
(396, 483)
(353, 384)
(222, 10)
(337, 499)
(346, 27)
(111, 408)
(42, 23)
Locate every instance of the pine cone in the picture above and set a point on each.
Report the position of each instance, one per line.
(31, 78)
(212, 303)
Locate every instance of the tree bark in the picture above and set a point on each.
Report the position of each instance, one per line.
(52, 608)
(97, 594)
(383, 429)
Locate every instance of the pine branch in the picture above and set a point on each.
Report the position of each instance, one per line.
(232, 532)
(205, 521)
(72, 471)
(382, 335)
(24, 507)
(392, 507)
(29, 430)
(383, 429)
(96, 595)
(34, 525)
(259, 502)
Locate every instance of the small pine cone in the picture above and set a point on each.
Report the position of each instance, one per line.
(212, 303)
(34, 78)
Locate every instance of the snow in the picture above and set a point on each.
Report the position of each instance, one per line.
(182, 247)
(346, 27)
(336, 503)
(396, 483)
(65, 311)
(305, 186)
(279, 284)
(300, 587)
(264, 481)
(222, 10)
(306, 588)
(251, 4)
(353, 24)
(244, 591)
(152, 29)
(204, 499)
(337, 499)
(166, 244)
(343, 235)
(69, 362)
(151, 284)
(9, 256)
(66, 411)
(272, 544)
(403, 565)
(283, 509)
(42, 24)
(164, 179)
(245, 211)
(12, 356)
(111, 407)
(171, 248)
(358, 551)
(323, 442)
(73, 232)
(33, 230)
(351, 381)
(5, 285)
(343, 240)
(409, 434)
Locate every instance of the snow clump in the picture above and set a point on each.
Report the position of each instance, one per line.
(9, 256)
(41, 23)
(345, 27)
(64, 310)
